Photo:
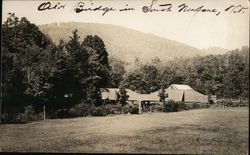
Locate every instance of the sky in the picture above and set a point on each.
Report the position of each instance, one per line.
(201, 30)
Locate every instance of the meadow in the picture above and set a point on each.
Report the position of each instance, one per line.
(202, 131)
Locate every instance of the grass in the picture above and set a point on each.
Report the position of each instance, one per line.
(205, 131)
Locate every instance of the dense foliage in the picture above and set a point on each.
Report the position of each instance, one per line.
(66, 78)
(222, 75)
(37, 72)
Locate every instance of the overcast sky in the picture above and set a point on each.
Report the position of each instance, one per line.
(203, 30)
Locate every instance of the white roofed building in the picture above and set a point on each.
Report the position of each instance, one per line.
(185, 93)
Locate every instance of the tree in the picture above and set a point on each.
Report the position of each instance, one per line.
(24, 48)
(145, 79)
(99, 50)
(162, 95)
(98, 68)
(117, 72)
(122, 96)
(71, 73)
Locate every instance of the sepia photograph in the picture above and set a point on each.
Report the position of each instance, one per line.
(125, 76)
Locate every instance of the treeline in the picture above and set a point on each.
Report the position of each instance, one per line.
(223, 75)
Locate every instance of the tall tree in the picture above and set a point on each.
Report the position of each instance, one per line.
(99, 50)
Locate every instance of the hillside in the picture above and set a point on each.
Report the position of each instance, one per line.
(123, 43)
(215, 50)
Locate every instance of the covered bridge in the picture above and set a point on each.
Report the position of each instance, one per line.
(175, 92)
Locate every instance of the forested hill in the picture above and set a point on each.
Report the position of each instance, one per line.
(215, 50)
(123, 43)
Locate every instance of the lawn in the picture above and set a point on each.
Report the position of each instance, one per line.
(206, 131)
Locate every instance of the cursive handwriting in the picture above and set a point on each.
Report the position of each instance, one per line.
(80, 6)
(236, 9)
(154, 6)
(185, 8)
(163, 7)
(49, 6)
(127, 9)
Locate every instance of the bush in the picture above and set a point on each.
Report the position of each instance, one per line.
(170, 106)
(132, 109)
(6, 118)
(27, 116)
(80, 110)
(157, 108)
(182, 106)
(229, 103)
(99, 111)
(114, 109)
(62, 113)
(196, 106)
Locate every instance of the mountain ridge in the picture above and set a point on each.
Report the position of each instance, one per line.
(123, 43)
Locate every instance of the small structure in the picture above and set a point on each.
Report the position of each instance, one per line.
(185, 93)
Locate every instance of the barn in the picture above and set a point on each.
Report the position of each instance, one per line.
(185, 93)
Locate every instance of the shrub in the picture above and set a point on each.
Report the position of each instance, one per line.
(29, 113)
(132, 109)
(62, 113)
(196, 106)
(99, 111)
(79, 110)
(27, 116)
(83, 109)
(229, 103)
(170, 106)
(157, 108)
(39, 116)
(181, 106)
(20, 118)
(6, 118)
(114, 109)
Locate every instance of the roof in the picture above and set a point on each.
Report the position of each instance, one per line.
(180, 86)
(110, 93)
(139, 97)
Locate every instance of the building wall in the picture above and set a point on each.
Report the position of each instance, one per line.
(188, 95)
(194, 96)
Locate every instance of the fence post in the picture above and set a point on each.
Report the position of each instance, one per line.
(140, 108)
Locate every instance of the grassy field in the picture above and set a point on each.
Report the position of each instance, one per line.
(206, 131)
